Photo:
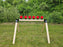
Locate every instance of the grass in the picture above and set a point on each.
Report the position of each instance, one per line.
(31, 35)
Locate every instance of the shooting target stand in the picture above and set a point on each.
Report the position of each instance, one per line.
(43, 20)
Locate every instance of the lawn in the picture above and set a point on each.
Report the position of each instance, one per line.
(31, 35)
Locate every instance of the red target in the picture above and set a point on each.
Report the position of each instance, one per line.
(41, 17)
(21, 17)
(33, 17)
(25, 17)
(37, 17)
(29, 17)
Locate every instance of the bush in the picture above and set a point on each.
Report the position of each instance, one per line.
(56, 17)
(8, 15)
(1, 14)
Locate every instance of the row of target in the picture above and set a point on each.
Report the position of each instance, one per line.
(33, 17)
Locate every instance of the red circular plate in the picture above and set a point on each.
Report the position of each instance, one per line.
(41, 17)
(33, 17)
(25, 17)
(37, 17)
(29, 17)
(21, 17)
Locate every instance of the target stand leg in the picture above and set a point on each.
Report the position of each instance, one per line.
(47, 31)
(15, 32)
(43, 27)
(18, 27)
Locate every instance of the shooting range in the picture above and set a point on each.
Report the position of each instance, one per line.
(33, 19)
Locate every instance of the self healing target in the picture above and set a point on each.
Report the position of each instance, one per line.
(25, 17)
(33, 17)
(29, 17)
(41, 17)
(37, 17)
(21, 17)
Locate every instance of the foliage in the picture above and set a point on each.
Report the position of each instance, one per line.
(46, 8)
(56, 17)
(8, 15)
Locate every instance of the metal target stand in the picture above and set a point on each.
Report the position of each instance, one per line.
(43, 20)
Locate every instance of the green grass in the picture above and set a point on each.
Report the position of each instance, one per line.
(31, 35)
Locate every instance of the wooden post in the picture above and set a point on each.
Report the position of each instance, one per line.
(15, 32)
(47, 31)
(18, 27)
(43, 27)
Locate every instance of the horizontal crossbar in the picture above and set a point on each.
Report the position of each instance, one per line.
(31, 19)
